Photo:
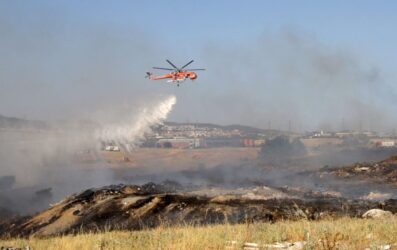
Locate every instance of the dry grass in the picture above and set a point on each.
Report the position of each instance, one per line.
(177, 159)
(345, 233)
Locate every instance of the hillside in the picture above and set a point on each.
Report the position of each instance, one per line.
(18, 123)
(244, 128)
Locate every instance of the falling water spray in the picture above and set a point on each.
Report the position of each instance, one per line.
(131, 132)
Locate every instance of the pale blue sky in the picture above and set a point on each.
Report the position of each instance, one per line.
(50, 49)
(360, 24)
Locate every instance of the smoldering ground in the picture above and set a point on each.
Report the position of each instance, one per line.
(47, 159)
(303, 178)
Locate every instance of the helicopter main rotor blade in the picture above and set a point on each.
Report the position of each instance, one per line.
(193, 69)
(184, 66)
(162, 68)
(175, 67)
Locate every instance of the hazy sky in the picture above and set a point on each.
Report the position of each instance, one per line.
(316, 63)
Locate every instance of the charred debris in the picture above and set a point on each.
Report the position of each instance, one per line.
(135, 207)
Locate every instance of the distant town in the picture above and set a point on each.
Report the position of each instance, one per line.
(206, 135)
(186, 135)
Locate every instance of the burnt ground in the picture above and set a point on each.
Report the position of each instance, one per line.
(137, 207)
(374, 181)
(384, 172)
(233, 194)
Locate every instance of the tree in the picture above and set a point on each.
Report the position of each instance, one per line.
(167, 144)
(281, 149)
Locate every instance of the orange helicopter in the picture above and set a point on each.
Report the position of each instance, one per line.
(177, 75)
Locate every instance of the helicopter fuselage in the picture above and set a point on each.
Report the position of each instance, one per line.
(176, 76)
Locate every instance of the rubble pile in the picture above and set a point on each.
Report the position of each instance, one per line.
(381, 172)
(135, 207)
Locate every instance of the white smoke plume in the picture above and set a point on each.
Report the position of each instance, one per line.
(130, 132)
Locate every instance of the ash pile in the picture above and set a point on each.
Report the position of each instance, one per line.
(133, 207)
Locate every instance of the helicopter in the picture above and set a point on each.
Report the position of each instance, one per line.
(177, 75)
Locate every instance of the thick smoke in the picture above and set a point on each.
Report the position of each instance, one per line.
(34, 155)
(54, 158)
(292, 78)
